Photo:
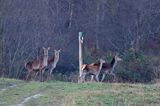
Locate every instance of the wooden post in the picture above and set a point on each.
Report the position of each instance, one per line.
(80, 52)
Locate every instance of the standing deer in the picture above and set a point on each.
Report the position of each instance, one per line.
(53, 62)
(108, 68)
(92, 69)
(38, 64)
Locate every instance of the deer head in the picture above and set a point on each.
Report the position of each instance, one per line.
(118, 58)
(102, 61)
(56, 52)
(46, 51)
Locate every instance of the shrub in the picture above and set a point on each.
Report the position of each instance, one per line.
(135, 67)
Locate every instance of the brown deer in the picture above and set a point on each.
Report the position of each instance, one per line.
(53, 62)
(38, 64)
(91, 69)
(108, 68)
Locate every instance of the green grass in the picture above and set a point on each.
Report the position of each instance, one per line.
(58, 93)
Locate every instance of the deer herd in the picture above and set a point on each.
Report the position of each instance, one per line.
(41, 64)
(94, 69)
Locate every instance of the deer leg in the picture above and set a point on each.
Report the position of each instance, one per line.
(51, 70)
(40, 75)
(79, 79)
(33, 75)
(36, 75)
(27, 75)
(96, 76)
(41, 72)
(83, 77)
(50, 73)
(114, 76)
(104, 74)
(92, 77)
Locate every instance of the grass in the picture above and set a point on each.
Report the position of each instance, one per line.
(58, 93)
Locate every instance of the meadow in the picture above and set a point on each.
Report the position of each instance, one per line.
(57, 93)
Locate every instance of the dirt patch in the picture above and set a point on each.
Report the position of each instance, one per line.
(27, 99)
(7, 88)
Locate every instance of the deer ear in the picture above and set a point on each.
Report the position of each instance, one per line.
(43, 48)
(59, 50)
(48, 48)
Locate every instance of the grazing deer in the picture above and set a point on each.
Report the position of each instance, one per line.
(53, 62)
(108, 68)
(38, 64)
(92, 69)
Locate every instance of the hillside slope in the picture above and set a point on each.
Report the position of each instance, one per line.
(18, 93)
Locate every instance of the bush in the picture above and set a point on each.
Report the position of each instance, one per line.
(135, 67)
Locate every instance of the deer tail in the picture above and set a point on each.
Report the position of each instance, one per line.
(83, 67)
(25, 64)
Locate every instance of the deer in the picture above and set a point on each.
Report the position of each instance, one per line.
(38, 64)
(53, 62)
(91, 69)
(108, 68)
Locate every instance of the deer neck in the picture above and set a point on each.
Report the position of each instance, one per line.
(56, 59)
(45, 60)
(100, 66)
(51, 60)
(113, 64)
